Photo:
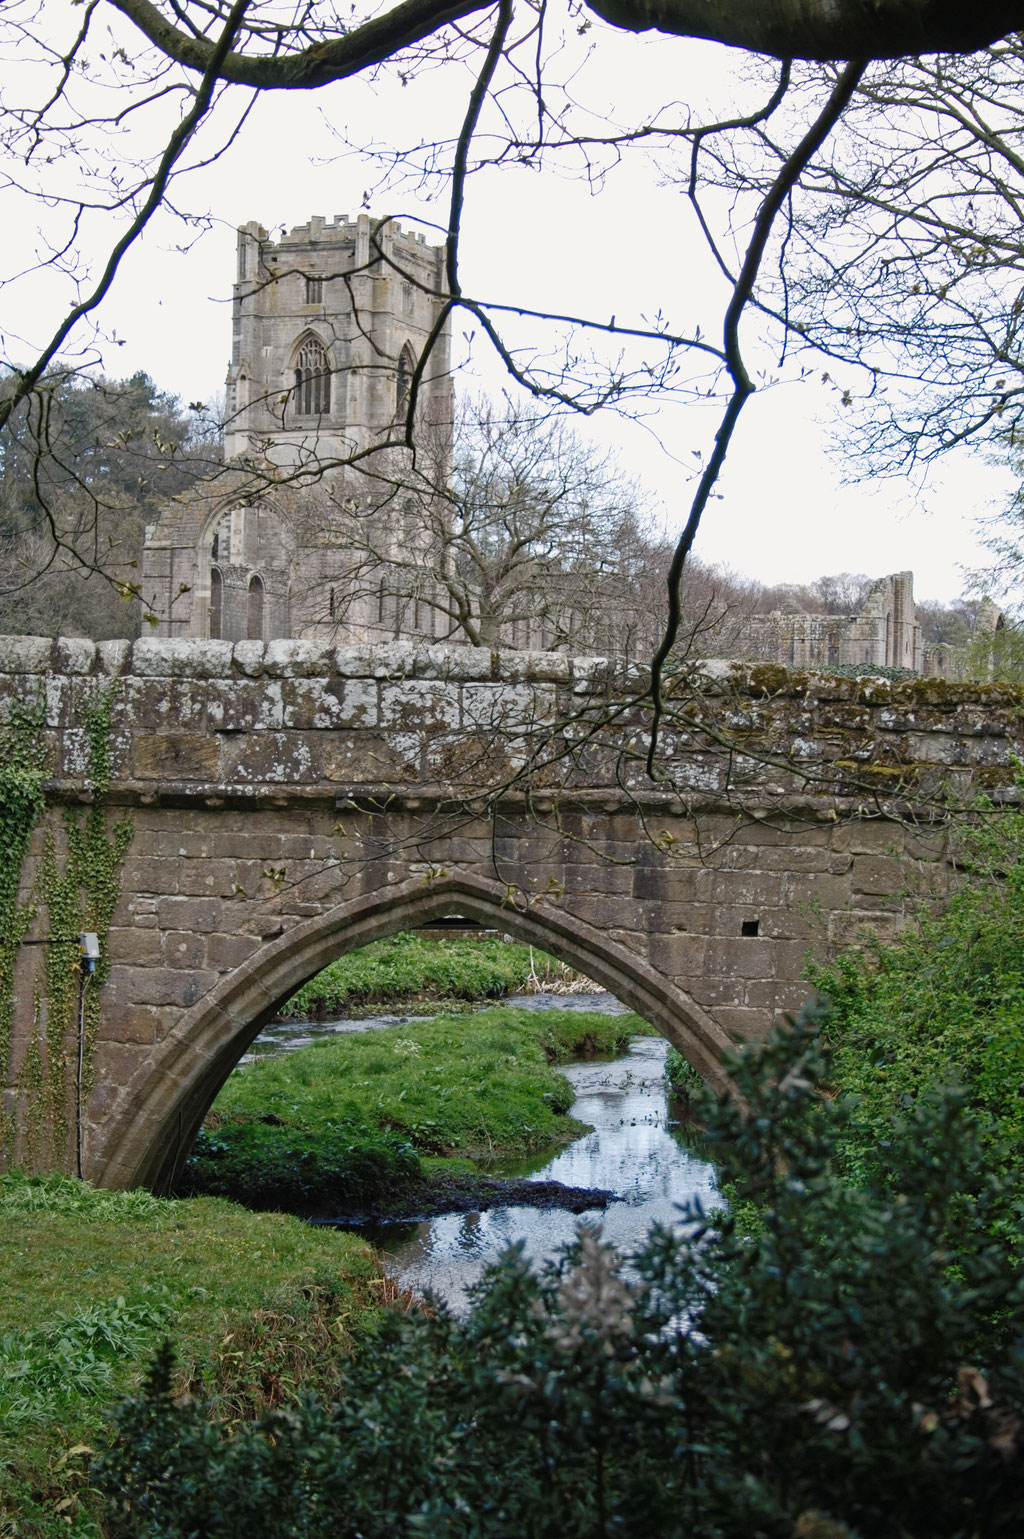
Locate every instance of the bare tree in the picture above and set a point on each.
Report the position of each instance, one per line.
(523, 535)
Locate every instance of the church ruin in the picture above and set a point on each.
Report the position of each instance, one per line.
(338, 331)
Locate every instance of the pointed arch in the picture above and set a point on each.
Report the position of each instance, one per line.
(403, 376)
(312, 370)
(254, 601)
(216, 603)
(164, 1105)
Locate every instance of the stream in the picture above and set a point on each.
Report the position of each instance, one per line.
(634, 1150)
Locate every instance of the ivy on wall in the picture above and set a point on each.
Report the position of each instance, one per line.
(21, 806)
(78, 887)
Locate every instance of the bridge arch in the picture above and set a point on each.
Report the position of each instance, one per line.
(160, 1111)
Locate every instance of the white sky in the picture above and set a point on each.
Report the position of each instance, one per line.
(544, 241)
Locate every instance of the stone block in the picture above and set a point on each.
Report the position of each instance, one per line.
(25, 654)
(329, 703)
(159, 985)
(740, 957)
(860, 929)
(396, 660)
(749, 890)
(247, 657)
(371, 758)
(218, 878)
(154, 705)
(453, 662)
(189, 913)
(516, 667)
(419, 704)
(713, 993)
(875, 837)
(177, 756)
(298, 659)
(225, 952)
(814, 892)
(149, 874)
(506, 707)
(74, 654)
(267, 758)
(790, 958)
(243, 705)
(138, 1024)
(117, 1063)
(113, 656)
(184, 948)
(879, 875)
(167, 656)
(130, 944)
(787, 998)
(743, 1024)
(680, 956)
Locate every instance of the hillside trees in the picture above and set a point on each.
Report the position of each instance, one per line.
(83, 465)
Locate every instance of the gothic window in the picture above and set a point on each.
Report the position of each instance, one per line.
(312, 380)
(405, 371)
(314, 291)
(216, 604)
(243, 262)
(254, 610)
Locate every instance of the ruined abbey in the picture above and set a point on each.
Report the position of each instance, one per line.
(340, 353)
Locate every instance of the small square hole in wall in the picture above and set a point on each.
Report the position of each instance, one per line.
(749, 926)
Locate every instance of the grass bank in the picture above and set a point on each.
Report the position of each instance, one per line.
(411, 967)
(347, 1123)
(92, 1282)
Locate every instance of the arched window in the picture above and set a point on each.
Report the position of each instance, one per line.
(254, 610)
(216, 604)
(406, 365)
(312, 394)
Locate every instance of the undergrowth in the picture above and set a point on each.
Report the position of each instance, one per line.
(943, 1005)
(855, 1371)
(92, 1281)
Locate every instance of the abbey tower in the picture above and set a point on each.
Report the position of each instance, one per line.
(330, 323)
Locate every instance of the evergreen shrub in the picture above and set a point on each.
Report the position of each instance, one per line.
(851, 1368)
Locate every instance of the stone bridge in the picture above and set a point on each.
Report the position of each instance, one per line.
(231, 818)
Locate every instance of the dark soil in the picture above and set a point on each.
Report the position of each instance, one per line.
(466, 1192)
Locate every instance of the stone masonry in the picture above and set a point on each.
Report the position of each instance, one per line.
(290, 802)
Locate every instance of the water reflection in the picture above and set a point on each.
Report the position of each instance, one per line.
(632, 1151)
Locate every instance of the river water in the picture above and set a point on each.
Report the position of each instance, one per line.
(635, 1150)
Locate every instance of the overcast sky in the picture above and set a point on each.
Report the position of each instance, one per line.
(538, 240)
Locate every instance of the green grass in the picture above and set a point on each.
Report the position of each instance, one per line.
(409, 967)
(92, 1281)
(313, 1124)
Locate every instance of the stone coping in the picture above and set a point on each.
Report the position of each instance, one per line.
(173, 657)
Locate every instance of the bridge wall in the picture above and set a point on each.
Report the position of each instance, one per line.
(288, 802)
